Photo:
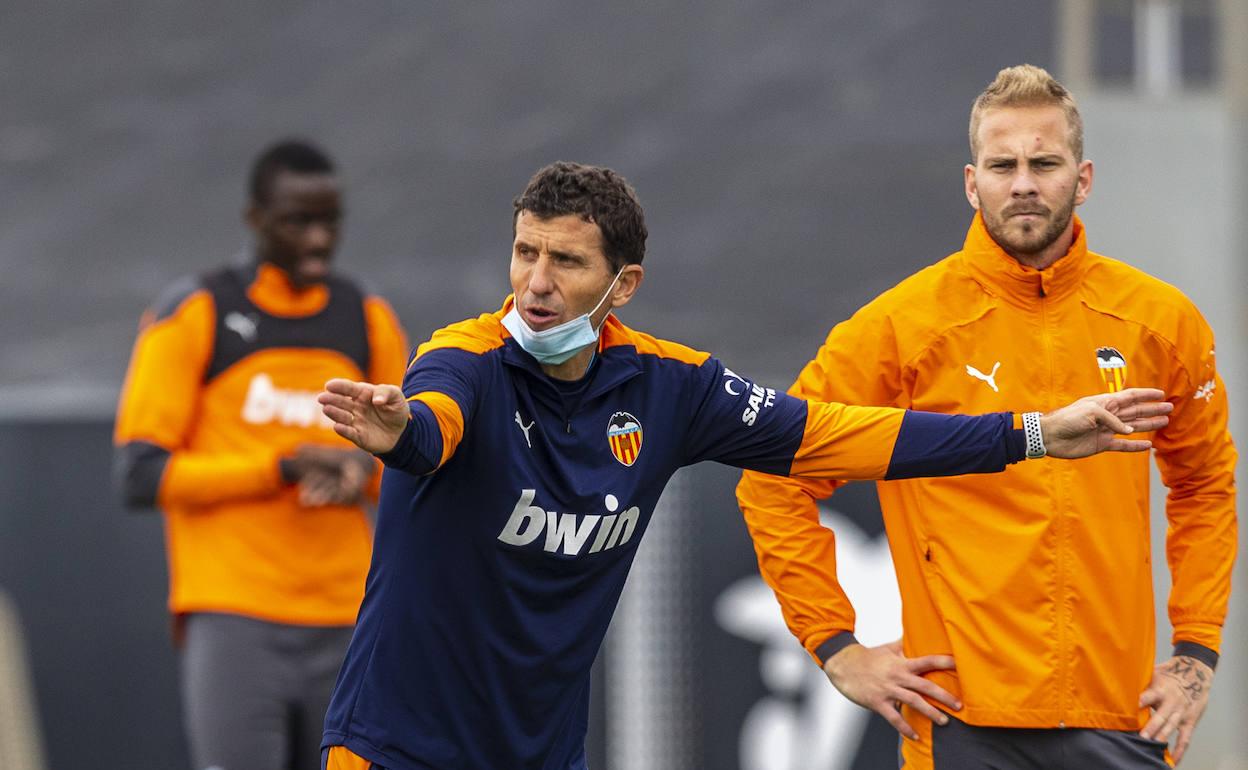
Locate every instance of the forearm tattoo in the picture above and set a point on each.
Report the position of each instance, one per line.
(1191, 676)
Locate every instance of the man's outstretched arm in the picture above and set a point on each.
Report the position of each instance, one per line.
(417, 428)
(871, 443)
(405, 434)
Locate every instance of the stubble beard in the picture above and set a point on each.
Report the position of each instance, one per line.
(1028, 240)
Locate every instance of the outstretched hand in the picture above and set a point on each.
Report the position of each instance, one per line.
(1092, 425)
(882, 678)
(370, 416)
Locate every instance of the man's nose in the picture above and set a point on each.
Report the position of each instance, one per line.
(541, 280)
(1024, 184)
(319, 237)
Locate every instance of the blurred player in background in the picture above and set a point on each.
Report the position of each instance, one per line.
(527, 450)
(218, 425)
(1036, 585)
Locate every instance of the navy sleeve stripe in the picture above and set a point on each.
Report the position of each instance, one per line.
(419, 448)
(931, 444)
(137, 469)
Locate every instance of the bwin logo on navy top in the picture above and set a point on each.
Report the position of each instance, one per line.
(624, 437)
(569, 533)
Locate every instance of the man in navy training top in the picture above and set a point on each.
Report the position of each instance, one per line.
(525, 454)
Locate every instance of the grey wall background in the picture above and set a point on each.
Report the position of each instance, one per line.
(795, 160)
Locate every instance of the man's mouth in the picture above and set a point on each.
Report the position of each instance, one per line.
(311, 270)
(539, 318)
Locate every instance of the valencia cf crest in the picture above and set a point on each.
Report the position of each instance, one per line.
(624, 437)
(1113, 369)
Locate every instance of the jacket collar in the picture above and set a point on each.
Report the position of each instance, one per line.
(1002, 274)
(617, 356)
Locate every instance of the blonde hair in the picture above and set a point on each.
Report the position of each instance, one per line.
(1027, 86)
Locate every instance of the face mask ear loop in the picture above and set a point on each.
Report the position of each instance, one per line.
(604, 299)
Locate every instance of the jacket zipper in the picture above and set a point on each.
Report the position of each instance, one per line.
(1063, 672)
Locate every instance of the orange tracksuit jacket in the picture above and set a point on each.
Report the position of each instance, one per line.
(1038, 581)
(222, 383)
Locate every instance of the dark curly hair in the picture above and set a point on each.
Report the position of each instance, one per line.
(595, 194)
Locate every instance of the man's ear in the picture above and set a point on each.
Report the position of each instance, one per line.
(626, 286)
(1083, 187)
(253, 216)
(972, 189)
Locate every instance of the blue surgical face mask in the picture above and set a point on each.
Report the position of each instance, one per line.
(558, 343)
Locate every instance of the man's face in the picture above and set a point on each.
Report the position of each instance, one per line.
(297, 229)
(559, 271)
(1026, 181)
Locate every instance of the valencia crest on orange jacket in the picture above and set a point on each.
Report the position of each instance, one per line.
(1113, 369)
(624, 436)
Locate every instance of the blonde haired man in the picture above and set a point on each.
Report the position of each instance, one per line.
(1036, 585)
